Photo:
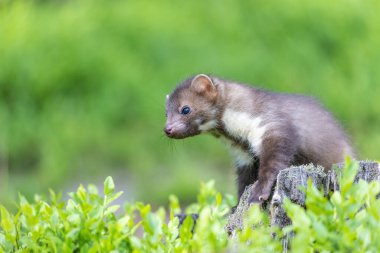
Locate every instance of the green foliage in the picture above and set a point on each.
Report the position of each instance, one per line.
(87, 222)
(83, 83)
(346, 222)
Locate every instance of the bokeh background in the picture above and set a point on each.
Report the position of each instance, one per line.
(83, 84)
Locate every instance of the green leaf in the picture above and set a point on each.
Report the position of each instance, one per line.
(8, 225)
(174, 204)
(92, 189)
(186, 228)
(109, 186)
(112, 197)
(74, 219)
(349, 173)
(7, 221)
(218, 198)
(111, 209)
(297, 214)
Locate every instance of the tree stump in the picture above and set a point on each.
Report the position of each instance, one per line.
(289, 185)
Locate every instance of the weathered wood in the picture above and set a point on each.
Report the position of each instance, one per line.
(368, 171)
(235, 219)
(289, 184)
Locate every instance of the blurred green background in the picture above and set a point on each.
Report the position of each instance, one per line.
(83, 84)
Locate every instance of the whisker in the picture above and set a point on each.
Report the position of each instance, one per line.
(174, 147)
(163, 136)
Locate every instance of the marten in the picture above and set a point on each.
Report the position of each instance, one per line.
(266, 131)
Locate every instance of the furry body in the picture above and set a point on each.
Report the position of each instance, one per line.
(265, 131)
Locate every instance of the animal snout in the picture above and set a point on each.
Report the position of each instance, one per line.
(168, 130)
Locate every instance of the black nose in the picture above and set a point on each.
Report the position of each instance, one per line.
(168, 130)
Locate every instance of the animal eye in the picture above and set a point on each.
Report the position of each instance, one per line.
(185, 110)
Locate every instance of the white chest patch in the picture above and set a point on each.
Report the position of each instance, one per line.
(208, 126)
(244, 126)
(241, 157)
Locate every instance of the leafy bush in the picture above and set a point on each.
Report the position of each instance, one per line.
(87, 222)
(347, 221)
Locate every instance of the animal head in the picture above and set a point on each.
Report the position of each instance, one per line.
(191, 107)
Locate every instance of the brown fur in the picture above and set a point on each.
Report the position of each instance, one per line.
(295, 129)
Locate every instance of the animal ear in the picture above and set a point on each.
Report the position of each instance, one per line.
(203, 85)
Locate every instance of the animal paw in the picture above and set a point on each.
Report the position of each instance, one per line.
(259, 193)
